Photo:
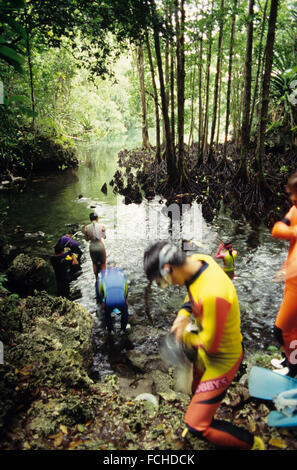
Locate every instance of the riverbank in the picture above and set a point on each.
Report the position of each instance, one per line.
(33, 152)
(211, 182)
(51, 401)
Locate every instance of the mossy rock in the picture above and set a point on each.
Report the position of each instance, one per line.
(27, 274)
(47, 345)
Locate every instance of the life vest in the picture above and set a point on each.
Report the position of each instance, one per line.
(229, 260)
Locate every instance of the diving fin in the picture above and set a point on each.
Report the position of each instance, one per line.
(266, 384)
(116, 311)
(277, 419)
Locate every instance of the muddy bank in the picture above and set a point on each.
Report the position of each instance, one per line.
(51, 399)
(211, 182)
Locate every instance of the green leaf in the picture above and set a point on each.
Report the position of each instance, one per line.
(15, 25)
(28, 112)
(272, 348)
(15, 99)
(9, 53)
(13, 5)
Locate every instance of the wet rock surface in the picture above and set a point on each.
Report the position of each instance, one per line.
(27, 273)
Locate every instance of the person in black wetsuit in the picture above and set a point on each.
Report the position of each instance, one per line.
(68, 242)
(63, 264)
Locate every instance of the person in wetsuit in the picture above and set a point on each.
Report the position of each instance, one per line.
(95, 233)
(212, 301)
(228, 255)
(285, 326)
(68, 242)
(63, 263)
(112, 293)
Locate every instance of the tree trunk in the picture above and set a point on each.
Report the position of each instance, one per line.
(180, 78)
(172, 87)
(172, 100)
(259, 64)
(245, 127)
(170, 160)
(217, 80)
(219, 112)
(229, 79)
(145, 136)
(200, 96)
(208, 62)
(28, 47)
(156, 101)
(264, 98)
(166, 62)
(192, 87)
(206, 115)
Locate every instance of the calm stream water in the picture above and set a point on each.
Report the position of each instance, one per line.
(52, 202)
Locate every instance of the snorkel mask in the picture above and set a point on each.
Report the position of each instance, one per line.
(164, 256)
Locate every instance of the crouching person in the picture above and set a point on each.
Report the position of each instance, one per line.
(212, 301)
(112, 293)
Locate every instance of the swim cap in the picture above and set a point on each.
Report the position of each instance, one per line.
(164, 256)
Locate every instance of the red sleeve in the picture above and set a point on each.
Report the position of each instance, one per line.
(218, 255)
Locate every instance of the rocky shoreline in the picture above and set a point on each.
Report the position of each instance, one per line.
(52, 400)
(34, 154)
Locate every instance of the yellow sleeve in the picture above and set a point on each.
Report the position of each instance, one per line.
(185, 310)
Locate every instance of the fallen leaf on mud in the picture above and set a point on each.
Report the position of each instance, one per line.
(278, 443)
(54, 436)
(59, 439)
(63, 429)
(74, 444)
(252, 425)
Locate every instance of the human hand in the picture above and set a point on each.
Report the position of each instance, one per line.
(178, 327)
(280, 276)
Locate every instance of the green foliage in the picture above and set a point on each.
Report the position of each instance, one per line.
(3, 279)
(10, 29)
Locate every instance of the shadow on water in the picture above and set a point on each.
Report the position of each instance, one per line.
(52, 203)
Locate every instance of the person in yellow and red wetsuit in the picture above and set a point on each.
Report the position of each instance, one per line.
(228, 255)
(285, 327)
(212, 300)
